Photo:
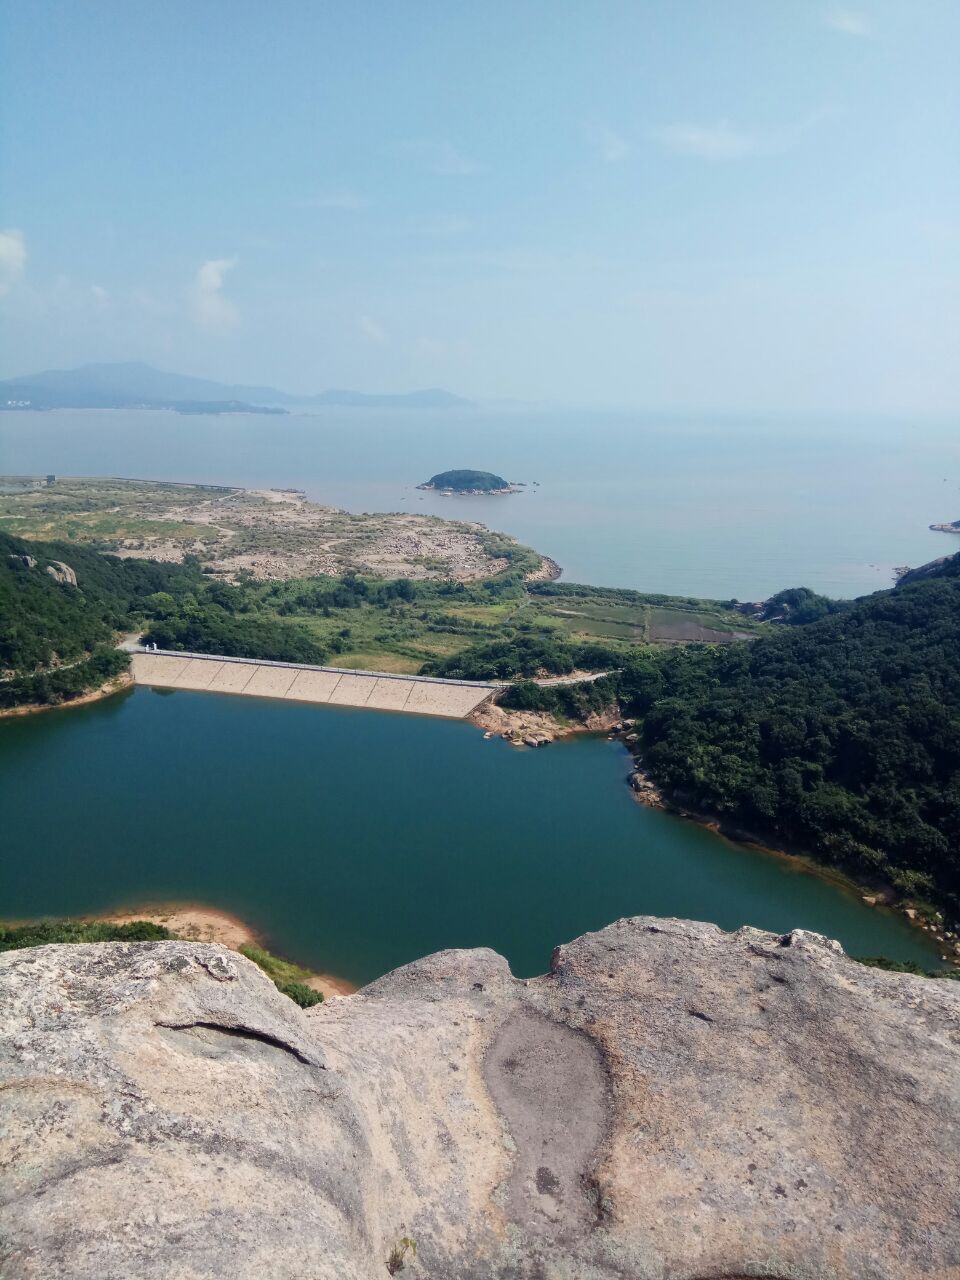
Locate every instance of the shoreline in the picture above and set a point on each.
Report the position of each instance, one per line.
(537, 728)
(116, 685)
(649, 794)
(198, 922)
(549, 570)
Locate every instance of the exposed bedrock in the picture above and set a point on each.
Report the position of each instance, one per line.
(670, 1102)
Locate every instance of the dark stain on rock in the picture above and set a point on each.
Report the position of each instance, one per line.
(549, 1085)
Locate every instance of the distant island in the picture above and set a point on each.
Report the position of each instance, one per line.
(474, 482)
(949, 527)
(139, 386)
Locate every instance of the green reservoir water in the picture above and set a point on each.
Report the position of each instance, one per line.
(356, 841)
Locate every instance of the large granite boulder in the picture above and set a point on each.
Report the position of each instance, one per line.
(670, 1102)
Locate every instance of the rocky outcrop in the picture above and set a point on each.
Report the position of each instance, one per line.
(646, 790)
(669, 1101)
(932, 569)
(62, 573)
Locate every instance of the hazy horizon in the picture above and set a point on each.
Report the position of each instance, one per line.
(752, 208)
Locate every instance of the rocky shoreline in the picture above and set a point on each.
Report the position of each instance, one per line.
(539, 728)
(549, 571)
(535, 729)
(649, 793)
(469, 493)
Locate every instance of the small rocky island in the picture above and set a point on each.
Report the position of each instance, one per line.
(472, 482)
(950, 527)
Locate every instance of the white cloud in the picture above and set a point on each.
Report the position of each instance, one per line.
(442, 158)
(212, 311)
(13, 258)
(849, 21)
(711, 142)
(350, 201)
(612, 147)
(100, 295)
(371, 330)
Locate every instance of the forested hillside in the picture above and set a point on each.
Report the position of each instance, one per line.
(56, 634)
(842, 736)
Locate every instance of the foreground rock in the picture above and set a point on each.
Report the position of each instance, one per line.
(670, 1101)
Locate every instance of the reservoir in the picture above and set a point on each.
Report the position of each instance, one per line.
(357, 840)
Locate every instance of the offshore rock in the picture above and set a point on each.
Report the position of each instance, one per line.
(670, 1102)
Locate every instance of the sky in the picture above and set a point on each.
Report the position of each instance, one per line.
(722, 205)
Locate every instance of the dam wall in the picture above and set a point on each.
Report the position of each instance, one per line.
(294, 682)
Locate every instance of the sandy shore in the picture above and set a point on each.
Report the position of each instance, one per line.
(199, 923)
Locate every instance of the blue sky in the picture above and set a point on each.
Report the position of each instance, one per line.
(738, 205)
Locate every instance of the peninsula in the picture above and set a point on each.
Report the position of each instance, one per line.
(481, 483)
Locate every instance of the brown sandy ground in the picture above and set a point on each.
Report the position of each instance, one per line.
(196, 923)
(269, 533)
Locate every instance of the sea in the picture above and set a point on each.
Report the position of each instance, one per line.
(721, 508)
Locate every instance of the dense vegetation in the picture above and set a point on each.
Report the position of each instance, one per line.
(799, 605)
(43, 621)
(288, 977)
(842, 736)
(464, 481)
(62, 684)
(534, 654)
(57, 639)
(40, 933)
(209, 628)
(908, 966)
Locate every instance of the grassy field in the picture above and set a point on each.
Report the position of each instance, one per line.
(403, 634)
(104, 528)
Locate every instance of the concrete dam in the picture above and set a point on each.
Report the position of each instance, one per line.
(296, 682)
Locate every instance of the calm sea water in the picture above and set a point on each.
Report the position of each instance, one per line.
(693, 506)
(357, 840)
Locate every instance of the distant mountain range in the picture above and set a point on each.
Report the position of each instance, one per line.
(136, 385)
